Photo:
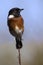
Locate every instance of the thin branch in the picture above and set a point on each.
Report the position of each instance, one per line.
(19, 57)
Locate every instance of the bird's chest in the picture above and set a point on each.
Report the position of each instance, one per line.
(16, 22)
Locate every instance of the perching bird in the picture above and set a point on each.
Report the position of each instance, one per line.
(15, 24)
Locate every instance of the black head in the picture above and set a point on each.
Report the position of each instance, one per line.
(15, 12)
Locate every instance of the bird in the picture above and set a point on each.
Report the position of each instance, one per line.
(15, 24)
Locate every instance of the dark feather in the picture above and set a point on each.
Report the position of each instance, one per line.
(18, 43)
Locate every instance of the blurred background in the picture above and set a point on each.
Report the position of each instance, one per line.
(33, 19)
(33, 33)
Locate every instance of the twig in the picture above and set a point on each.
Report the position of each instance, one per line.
(19, 57)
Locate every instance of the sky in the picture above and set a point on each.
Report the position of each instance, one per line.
(32, 15)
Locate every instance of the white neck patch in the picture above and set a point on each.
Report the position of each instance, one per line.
(11, 16)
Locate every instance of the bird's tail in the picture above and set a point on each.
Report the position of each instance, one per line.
(18, 43)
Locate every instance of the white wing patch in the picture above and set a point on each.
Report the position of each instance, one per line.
(11, 16)
(17, 29)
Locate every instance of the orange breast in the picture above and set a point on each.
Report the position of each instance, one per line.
(16, 21)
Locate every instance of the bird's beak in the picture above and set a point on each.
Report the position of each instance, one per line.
(21, 9)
